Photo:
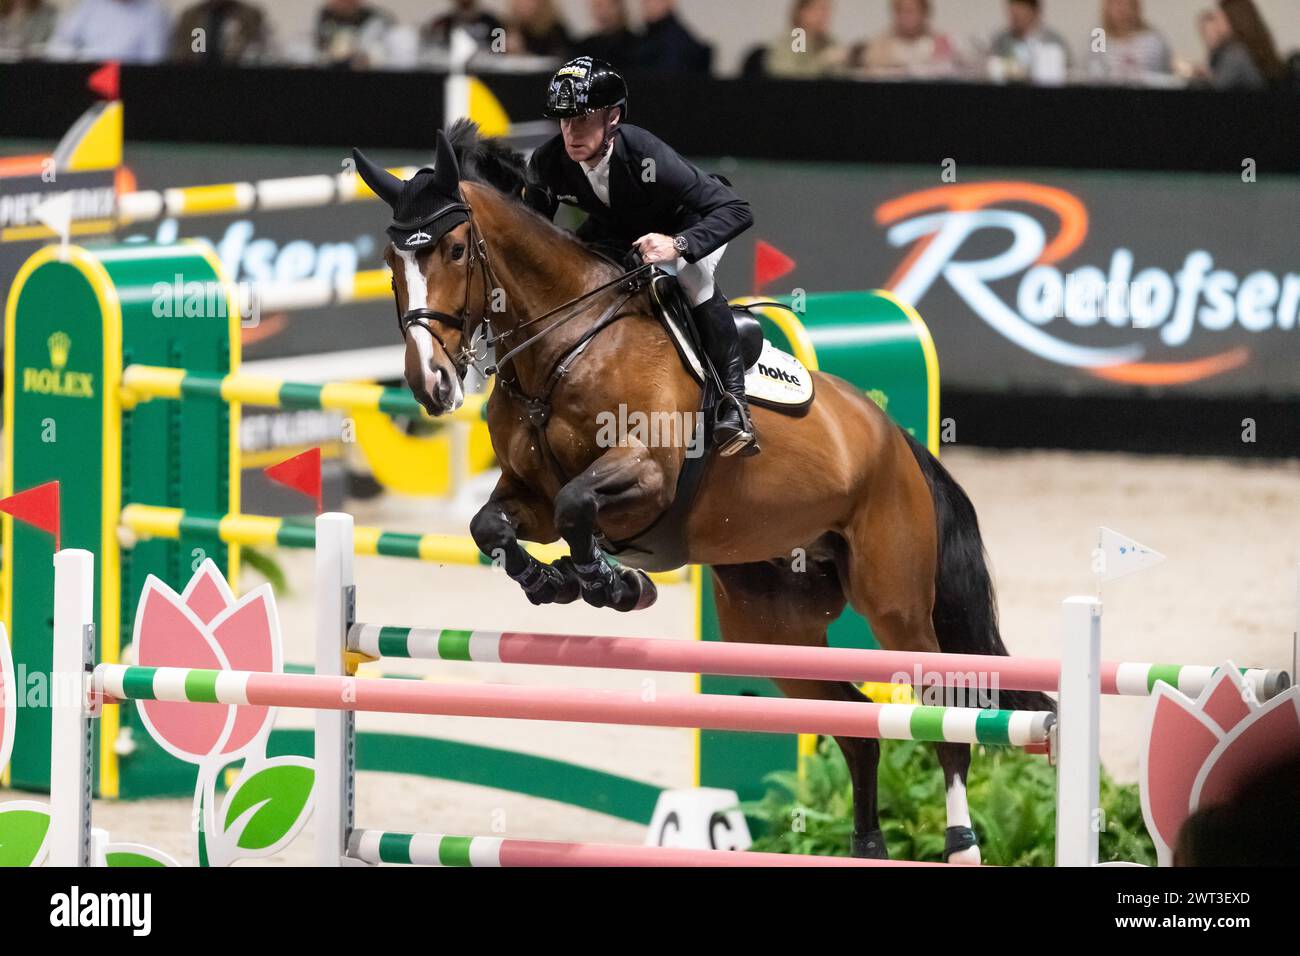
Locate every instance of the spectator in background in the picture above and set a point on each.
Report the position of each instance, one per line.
(666, 44)
(220, 33)
(468, 16)
(1029, 47)
(807, 51)
(1132, 48)
(534, 28)
(26, 26)
(910, 47)
(1242, 54)
(349, 33)
(612, 42)
(132, 31)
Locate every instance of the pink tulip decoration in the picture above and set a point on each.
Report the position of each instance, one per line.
(1199, 751)
(207, 627)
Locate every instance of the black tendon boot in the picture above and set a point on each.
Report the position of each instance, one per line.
(732, 430)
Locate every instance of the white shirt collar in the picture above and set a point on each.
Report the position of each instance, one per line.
(599, 176)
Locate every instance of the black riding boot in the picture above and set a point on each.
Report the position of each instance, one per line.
(732, 430)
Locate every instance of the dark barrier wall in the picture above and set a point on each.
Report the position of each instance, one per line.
(1014, 262)
(827, 121)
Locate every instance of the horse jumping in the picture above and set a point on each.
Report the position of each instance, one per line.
(842, 506)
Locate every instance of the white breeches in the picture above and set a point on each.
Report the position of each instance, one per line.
(696, 278)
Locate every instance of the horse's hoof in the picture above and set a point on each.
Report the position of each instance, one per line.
(571, 588)
(869, 846)
(556, 584)
(647, 593)
(960, 847)
(636, 591)
(600, 587)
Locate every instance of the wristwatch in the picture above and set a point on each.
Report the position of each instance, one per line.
(679, 243)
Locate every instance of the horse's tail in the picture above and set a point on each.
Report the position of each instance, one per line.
(965, 607)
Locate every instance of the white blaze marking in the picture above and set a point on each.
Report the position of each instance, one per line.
(417, 290)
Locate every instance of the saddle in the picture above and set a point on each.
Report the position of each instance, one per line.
(773, 379)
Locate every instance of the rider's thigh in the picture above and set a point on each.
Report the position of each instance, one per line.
(696, 278)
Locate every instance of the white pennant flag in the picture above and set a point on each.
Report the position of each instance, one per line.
(56, 213)
(1117, 555)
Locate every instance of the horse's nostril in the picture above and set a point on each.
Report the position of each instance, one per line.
(441, 385)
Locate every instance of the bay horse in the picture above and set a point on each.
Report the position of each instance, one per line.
(842, 505)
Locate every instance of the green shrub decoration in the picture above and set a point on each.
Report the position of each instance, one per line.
(1012, 798)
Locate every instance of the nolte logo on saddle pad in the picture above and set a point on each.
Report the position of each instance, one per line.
(780, 374)
(55, 380)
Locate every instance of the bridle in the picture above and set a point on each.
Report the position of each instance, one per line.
(477, 254)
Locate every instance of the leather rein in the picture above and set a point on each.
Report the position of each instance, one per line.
(538, 406)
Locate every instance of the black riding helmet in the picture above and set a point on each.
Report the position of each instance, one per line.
(585, 85)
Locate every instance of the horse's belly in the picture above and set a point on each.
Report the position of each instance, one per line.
(811, 477)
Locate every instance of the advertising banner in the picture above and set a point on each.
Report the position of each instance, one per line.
(1075, 282)
(1052, 281)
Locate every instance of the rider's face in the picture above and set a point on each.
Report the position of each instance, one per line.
(585, 135)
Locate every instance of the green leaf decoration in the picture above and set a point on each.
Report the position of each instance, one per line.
(129, 854)
(23, 829)
(273, 799)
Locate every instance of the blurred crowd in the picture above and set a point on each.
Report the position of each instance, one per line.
(1239, 51)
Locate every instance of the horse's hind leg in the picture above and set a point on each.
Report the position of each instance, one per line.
(889, 571)
(772, 604)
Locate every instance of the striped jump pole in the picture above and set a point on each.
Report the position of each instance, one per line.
(335, 737)
(120, 682)
(145, 382)
(436, 849)
(141, 383)
(974, 671)
(151, 521)
(364, 285)
(290, 192)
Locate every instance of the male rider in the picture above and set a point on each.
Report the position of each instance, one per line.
(639, 193)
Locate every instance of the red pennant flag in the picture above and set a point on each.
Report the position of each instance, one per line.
(38, 507)
(301, 473)
(106, 81)
(770, 263)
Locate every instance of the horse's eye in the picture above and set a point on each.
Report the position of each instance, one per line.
(457, 251)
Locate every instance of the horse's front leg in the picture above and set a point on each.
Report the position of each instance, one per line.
(628, 477)
(511, 511)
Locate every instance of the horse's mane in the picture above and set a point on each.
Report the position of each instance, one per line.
(494, 162)
(484, 160)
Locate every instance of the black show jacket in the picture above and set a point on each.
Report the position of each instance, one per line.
(668, 195)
